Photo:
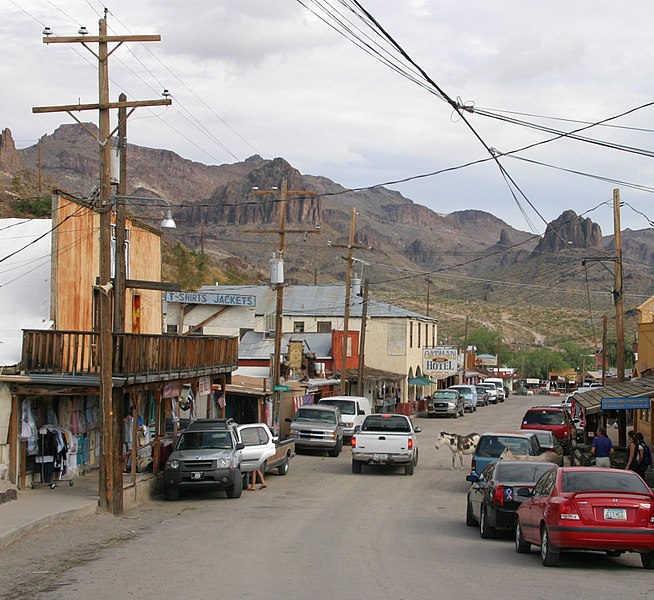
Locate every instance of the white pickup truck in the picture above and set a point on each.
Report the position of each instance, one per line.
(386, 439)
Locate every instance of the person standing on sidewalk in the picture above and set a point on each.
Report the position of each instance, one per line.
(602, 448)
(635, 454)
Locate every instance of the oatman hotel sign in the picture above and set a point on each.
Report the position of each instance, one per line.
(441, 361)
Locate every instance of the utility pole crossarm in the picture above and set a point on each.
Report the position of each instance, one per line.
(107, 105)
(86, 39)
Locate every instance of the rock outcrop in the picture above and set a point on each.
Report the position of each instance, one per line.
(9, 158)
(567, 230)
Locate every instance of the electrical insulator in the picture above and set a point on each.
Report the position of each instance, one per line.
(276, 270)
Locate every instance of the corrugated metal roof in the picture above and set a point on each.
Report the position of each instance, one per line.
(316, 301)
(254, 345)
(591, 400)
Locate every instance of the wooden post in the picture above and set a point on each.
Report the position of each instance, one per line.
(14, 438)
(156, 451)
(619, 312)
(362, 340)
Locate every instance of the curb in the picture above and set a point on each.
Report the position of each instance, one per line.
(44, 522)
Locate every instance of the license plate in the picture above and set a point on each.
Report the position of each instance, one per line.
(615, 514)
(379, 457)
(196, 475)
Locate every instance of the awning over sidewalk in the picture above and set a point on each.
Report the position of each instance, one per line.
(641, 387)
(422, 381)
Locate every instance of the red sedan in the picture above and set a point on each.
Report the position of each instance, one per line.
(587, 508)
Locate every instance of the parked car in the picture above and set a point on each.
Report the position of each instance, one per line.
(207, 454)
(446, 402)
(492, 499)
(318, 427)
(492, 391)
(587, 508)
(547, 441)
(554, 419)
(492, 444)
(354, 409)
(263, 450)
(386, 440)
(469, 393)
(483, 398)
(498, 382)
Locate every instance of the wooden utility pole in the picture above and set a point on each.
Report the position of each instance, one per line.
(351, 247)
(499, 351)
(279, 288)
(40, 167)
(465, 351)
(110, 456)
(428, 284)
(605, 320)
(362, 339)
(619, 311)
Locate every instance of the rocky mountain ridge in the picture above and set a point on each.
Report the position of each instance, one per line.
(214, 205)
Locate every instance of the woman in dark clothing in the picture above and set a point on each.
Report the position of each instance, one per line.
(635, 456)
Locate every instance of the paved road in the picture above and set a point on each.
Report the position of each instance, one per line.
(322, 532)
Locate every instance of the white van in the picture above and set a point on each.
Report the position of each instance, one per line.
(499, 384)
(354, 409)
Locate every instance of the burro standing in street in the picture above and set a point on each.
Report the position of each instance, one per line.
(602, 448)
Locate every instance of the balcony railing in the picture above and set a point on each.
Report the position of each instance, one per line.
(77, 352)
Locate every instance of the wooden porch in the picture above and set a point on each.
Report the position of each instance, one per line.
(137, 357)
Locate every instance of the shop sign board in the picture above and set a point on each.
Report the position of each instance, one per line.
(212, 298)
(625, 403)
(440, 360)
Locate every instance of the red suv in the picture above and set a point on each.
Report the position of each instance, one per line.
(552, 418)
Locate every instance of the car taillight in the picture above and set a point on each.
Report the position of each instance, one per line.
(473, 465)
(498, 496)
(353, 442)
(568, 512)
(410, 444)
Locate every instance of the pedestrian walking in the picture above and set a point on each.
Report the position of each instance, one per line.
(602, 448)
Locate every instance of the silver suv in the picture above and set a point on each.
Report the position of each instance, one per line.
(318, 426)
(207, 455)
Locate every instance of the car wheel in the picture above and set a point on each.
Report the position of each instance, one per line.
(356, 467)
(283, 468)
(336, 450)
(236, 489)
(549, 556)
(463, 411)
(647, 558)
(455, 415)
(485, 530)
(470, 519)
(521, 547)
(415, 459)
(409, 469)
(474, 409)
(171, 493)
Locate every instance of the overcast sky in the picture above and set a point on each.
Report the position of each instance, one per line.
(269, 77)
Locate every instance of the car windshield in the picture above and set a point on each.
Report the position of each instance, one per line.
(517, 471)
(198, 440)
(325, 416)
(488, 386)
(465, 392)
(602, 481)
(481, 390)
(544, 417)
(347, 407)
(386, 423)
(445, 396)
(492, 446)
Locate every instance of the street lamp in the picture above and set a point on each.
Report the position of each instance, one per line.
(166, 223)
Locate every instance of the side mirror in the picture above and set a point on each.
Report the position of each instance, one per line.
(275, 439)
(418, 429)
(357, 428)
(361, 412)
(472, 477)
(240, 446)
(288, 419)
(525, 492)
